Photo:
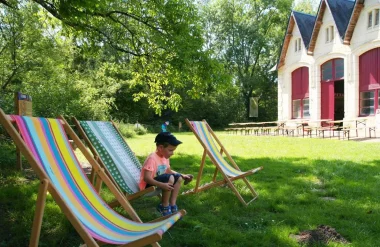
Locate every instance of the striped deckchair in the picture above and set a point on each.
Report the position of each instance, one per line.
(45, 145)
(230, 173)
(113, 153)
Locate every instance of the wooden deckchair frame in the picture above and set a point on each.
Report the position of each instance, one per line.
(45, 186)
(97, 180)
(226, 179)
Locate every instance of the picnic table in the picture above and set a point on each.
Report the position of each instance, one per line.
(343, 126)
(319, 126)
(256, 127)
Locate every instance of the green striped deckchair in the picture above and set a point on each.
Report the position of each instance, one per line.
(214, 149)
(44, 143)
(113, 152)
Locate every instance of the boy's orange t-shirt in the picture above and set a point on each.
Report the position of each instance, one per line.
(156, 164)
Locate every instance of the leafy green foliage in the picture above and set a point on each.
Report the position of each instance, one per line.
(144, 61)
(246, 36)
(307, 6)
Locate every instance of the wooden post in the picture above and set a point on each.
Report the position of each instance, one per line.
(23, 107)
(179, 126)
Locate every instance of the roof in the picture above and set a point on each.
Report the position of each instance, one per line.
(341, 11)
(305, 23)
(345, 14)
(285, 43)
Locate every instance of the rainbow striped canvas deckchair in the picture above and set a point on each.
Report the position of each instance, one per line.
(114, 154)
(230, 173)
(45, 145)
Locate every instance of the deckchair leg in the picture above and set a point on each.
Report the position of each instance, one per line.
(215, 173)
(253, 191)
(250, 187)
(200, 171)
(98, 184)
(92, 176)
(232, 186)
(39, 213)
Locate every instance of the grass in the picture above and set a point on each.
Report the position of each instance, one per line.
(297, 174)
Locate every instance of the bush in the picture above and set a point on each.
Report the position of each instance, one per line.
(140, 130)
(126, 130)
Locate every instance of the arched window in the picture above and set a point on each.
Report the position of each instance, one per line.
(300, 93)
(333, 70)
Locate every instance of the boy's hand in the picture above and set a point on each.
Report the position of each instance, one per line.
(166, 186)
(187, 177)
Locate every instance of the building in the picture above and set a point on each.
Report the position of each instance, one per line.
(329, 65)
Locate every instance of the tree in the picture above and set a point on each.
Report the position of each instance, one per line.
(307, 6)
(161, 41)
(246, 36)
(39, 59)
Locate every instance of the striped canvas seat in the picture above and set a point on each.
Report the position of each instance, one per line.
(115, 153)
(228, 168)
(106, 142)
(49, 152)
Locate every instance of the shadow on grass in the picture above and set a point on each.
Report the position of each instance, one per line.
(291, 192)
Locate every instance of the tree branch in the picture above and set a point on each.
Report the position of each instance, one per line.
(7, 4)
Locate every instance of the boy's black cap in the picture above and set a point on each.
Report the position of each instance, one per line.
(167, 137)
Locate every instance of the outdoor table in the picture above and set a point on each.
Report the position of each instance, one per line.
(319, 126)
(360, 121)
(345, 131)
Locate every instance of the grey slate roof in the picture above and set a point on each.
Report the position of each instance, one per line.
(305, 23)
(341, 11)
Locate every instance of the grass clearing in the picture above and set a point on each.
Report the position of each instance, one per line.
(299, 175)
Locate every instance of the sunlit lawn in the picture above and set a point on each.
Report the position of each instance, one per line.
(298, 173)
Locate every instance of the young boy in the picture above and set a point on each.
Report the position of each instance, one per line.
(156, 172)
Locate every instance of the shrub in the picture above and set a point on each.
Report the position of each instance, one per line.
(126, 130)
(140, 130)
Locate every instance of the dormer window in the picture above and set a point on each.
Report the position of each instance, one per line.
(329, 34)
(373, 18)
(297, 45)
(370, 19)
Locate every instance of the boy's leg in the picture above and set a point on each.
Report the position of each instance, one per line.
(166, 193)
(175, 191)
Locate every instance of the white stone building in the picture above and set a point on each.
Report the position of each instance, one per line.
(329, 66)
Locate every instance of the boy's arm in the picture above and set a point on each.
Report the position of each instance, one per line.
(184, 176)
(149, 180)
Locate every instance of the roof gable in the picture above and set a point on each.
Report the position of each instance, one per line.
(305, 23)
(359, 4)
(345, 14)
(341, 11)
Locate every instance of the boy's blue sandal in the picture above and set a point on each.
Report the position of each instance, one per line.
(164, 210)
(174, 209)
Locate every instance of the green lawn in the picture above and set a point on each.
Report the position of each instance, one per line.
(298, 173)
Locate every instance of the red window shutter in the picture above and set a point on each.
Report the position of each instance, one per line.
(368, 70)
(296, 83)
(305, 82)
(300, 83)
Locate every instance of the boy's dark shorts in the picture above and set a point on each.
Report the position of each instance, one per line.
(164, 178)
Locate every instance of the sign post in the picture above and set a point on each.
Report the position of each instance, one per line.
(23, 107)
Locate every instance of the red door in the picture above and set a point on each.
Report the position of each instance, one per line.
(327, 100)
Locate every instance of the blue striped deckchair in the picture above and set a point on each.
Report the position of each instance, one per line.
(108, 145)
(230, 173)
(45, 145)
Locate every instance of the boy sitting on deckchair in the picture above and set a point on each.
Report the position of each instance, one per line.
(156, 172)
